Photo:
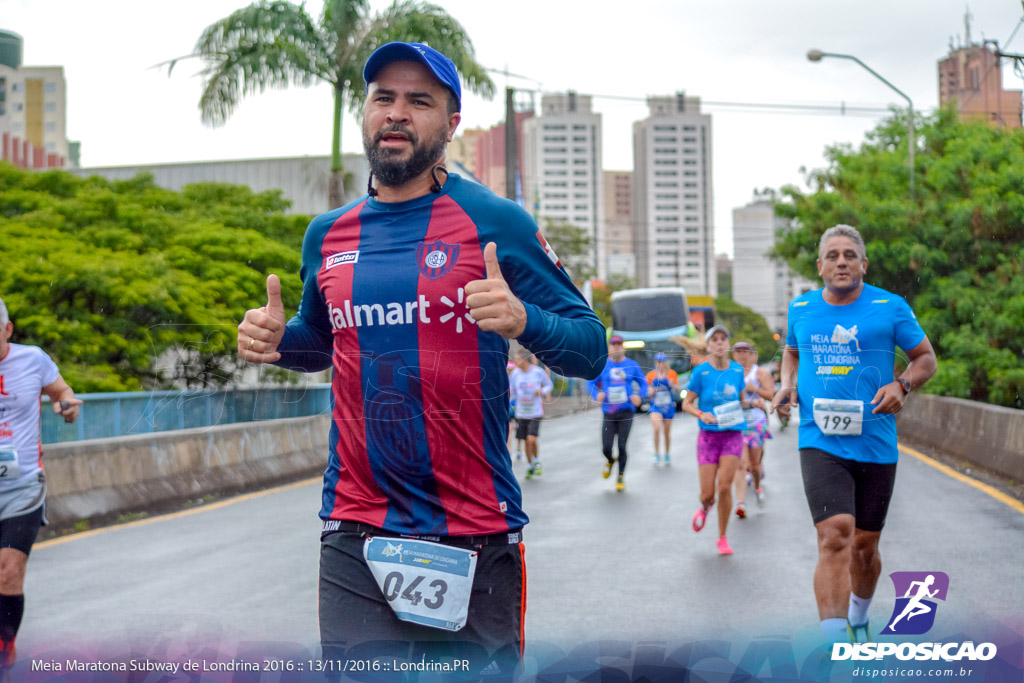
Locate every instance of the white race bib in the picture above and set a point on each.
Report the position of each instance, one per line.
(838, 417)
(425, 583)
(8, 463)
(729, 414)
(526, 406)
(662, 398)
(750, 415)
(617, 395)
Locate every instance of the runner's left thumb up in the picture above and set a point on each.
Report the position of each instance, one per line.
(274, 306)
(491, 262)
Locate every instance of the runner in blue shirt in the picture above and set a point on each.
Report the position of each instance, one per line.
(716, 386)
(618, 389)
(839, 364)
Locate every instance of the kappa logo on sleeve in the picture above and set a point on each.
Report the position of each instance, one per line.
(345, 257)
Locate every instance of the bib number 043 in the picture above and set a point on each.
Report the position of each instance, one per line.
(424, 583)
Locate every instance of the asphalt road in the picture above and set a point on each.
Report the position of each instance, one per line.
(601, 565)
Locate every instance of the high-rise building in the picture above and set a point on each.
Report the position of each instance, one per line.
(562, 176)
(617, 231)
(673, 219)
(759, 283)
(490, 156)
(972, 75)
(462, 148)
(32, 109)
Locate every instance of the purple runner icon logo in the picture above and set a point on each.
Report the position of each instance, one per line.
(916, 592)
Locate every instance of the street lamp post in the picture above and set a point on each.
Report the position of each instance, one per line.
(816, 56)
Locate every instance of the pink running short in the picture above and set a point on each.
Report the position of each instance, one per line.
(712, 446)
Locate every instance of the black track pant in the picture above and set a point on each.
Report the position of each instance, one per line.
(616, 424)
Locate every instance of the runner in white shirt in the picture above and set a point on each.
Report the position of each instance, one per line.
(531, 387)
(26, 372)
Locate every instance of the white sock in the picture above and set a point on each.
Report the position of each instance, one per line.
(835, 630)
(858, 613)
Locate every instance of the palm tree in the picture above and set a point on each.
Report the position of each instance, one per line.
(275, 44)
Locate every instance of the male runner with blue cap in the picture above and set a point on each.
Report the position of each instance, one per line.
(411, 294)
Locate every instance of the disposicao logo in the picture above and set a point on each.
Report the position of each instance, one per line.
(914, 615)
(916, 593)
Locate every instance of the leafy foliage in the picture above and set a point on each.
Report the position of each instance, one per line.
(572, 244)
(746, 325)
(603, 295)
(130, 286)
(954, 252)
(274, 44)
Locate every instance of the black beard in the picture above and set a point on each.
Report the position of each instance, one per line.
(394, 172)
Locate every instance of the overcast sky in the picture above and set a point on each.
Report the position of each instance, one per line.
(124, 112)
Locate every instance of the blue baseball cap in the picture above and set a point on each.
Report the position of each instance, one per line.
(660, 356)
(442, 67)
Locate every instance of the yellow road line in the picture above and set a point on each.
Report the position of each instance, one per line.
(172, 515)
(985, 488)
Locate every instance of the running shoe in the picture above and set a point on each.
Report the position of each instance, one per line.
(699, 518)
(657, 459)
(619, 484)
(750, 479)
(519, 455)
(723, 546)
(854, 639)
(529, 471)
(607, 471)
(741, 510)
(668, 460)
(760, 496)
(538, 469)
(7, 653)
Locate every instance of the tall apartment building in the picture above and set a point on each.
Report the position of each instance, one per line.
(973, 76)
(33, 110)
(462, 148)
(562, 176)
(617, 232)
(759, 283)
(673, 220)
(489, 164)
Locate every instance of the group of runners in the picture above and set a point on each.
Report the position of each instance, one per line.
(418, 464)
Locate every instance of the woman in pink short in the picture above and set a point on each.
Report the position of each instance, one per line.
(714, 396)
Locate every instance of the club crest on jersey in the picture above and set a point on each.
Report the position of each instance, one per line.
(436, 259)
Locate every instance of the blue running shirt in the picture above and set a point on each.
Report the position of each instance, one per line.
(419, 394)
(619, 380)
(717, 387)
(848, 352)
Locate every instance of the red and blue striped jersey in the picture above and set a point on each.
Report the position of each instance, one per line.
(419, 393)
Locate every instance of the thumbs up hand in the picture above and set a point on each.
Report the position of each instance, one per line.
(262, 328)
(491, 303)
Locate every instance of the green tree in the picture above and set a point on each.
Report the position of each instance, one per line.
(572, 244)
(130, 286)
(747, 325)
(954, 251)
(603, 295)
(276, 44)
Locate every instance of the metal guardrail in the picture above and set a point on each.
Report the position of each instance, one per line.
(108, 415)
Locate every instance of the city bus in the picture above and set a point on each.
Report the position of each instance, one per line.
(646, 319)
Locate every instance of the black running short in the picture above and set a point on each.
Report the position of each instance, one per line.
(836, 486)
(20, 532)
(357, 622)
(527, 426)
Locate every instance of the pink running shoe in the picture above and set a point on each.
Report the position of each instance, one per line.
(723, 547)
(699, 518)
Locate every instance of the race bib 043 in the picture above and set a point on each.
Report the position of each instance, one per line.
(425, 583)
(838, 417)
